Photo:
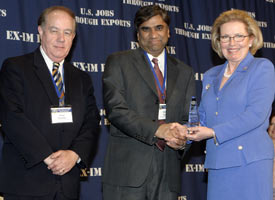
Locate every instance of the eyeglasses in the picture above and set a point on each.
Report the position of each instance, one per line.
(236, 38)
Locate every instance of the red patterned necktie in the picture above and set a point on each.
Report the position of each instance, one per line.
(160, 78)
(58, 82)
(160, 142)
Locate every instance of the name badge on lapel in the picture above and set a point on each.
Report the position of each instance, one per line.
(61, 114)
(162, 112)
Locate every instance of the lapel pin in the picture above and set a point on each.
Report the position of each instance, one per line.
(207, 86)
(245, 68)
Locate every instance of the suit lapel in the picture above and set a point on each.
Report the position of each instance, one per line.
(172, 76)
(243, 67)
(68, 83)
(43, 74)
(217, 80)
(142, 65)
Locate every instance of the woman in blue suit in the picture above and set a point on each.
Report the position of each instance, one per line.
(234, 110)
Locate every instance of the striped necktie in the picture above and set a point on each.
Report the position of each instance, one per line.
(58, 82)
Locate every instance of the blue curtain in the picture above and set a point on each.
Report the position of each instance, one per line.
(106, 26)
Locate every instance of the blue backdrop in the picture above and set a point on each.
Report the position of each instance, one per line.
(106, 26)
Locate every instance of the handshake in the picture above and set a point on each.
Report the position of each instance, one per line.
(174, 134)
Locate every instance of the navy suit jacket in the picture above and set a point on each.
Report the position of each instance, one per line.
(26, 95)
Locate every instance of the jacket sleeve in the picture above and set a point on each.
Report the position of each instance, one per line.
(261, 87)
(18, 129)
(86, 141)
(118, 111)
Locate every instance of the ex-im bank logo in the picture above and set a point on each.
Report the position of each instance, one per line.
(22, 36)
(194, 168)
(3, 12)
(91, 172)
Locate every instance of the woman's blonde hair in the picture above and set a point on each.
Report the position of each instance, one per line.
(252, 29)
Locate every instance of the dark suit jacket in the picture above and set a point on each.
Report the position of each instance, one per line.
(131, 102)
(26, 95)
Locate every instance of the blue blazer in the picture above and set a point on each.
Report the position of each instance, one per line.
(238, 113)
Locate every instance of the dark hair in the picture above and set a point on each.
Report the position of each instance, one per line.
(147, 12)
(47, 11)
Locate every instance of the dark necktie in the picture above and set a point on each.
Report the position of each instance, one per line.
(160, 142)
(58, 82)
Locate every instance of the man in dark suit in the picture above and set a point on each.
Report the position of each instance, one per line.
(146, 140)
(48, 135)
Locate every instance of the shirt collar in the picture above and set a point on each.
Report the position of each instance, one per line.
(160, 60)
(49, 62)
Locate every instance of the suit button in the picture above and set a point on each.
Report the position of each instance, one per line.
(217, 98)
(216, 113)
(240, 147)
(157, 101)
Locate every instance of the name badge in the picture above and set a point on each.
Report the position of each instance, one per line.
(162, 112)
(61, 115)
